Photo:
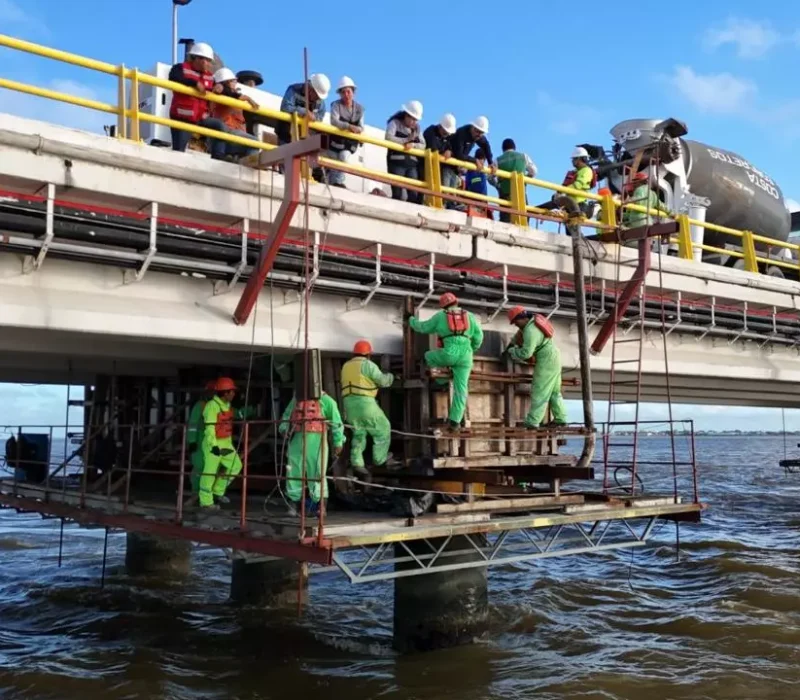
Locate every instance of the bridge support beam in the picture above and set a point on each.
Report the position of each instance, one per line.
(148, 555)
(268, 583)
(436, 611)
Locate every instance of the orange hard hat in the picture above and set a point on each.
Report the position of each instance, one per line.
(211, 385)
(225, 384)
(603, 191)
(362, 347)
(514, 312)
(447, 299)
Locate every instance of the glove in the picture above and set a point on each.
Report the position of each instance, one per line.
(215, 451)
(337, 451)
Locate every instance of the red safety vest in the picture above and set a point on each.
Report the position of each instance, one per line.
(188, 108)
(544, 325)
(307, 415)
(457, 322)
(224, 427)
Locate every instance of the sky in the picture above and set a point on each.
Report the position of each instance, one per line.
(549, 75)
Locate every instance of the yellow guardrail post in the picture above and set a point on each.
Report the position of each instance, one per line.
(685, 246)
(433, 178)
(122, 98)
(518, 203)
(749, 249)
(608, 211)
(133, 106)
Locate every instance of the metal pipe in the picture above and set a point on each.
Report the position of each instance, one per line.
(574, 229)
(174, 33)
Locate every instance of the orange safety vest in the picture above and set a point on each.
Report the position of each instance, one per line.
(544, 325)
(457, 322)
(224, 427)
(307, 415)
(188, 108)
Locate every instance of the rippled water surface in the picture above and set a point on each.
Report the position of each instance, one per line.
(721, 622)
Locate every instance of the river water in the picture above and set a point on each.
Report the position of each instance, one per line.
(721, 622)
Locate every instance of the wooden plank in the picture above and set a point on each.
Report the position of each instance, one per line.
(494, 461)
(509, 503)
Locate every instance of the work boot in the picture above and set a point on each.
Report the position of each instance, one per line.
(555, 424)
(531, 427)
(210, 508)
(362, 473)
(454, 426)
(291, 510)
(391, 463)
(222, 500)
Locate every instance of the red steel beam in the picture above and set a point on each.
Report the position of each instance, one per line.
(235, 540)
(291, 156)
(643, 234)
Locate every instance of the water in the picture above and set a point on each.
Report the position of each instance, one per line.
(723, 622)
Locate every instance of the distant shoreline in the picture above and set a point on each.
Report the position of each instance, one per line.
(714, 433)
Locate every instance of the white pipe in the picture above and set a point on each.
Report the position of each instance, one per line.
(697, 212)
(174, 33)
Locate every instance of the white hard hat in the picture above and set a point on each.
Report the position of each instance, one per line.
(346, 82)
(321, 84)
(448, 123)
(413, 108)
(481, 124)
(202, 50)
(223, 75)
(580, 152)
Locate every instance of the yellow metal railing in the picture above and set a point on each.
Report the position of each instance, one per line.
(129, 118)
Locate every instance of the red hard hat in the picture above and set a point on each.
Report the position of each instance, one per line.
(211, 385)
(225, 384)
(447, 299)
(514, 312)
(641, 176)
(362, 347)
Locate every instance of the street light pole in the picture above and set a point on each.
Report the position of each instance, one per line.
(175, 5)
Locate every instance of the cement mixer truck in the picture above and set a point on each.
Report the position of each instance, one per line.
(709, 183)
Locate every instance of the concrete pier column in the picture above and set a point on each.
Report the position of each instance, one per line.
(268, 582)
(150, 555)
(439, 610)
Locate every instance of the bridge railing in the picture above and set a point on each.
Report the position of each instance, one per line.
(129, 118)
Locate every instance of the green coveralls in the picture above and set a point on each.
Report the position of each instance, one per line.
(644, 196)
(364, 414)
(194, 436)
(230, 465)
(546, 381)
(316, 462)
(456, 354)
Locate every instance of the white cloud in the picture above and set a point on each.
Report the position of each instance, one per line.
(752, 38)
(564, 117)
(719, 93)
(792, 204)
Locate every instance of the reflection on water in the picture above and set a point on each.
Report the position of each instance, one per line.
(723, 622)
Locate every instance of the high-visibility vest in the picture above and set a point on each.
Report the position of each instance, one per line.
(224, 427)
(188, 108)
(354, 383)
(513, 162)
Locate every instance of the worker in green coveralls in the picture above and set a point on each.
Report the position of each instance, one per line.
(194, 434)
(537, 342)
(361, 379)
(309, 422)
(221, 464)
(461, 336)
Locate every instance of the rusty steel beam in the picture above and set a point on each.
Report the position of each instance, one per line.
(241, 541)
(291, 156)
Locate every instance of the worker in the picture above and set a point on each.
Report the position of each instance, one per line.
(225, 83)
(512, 161)
(581, 177)
(643, 195)
(250, 78)
(194, 434)
(347, 115)
(194, 72)
(537, 342)
(437, 138)
(403, 128)
(475, 180)
(461, 336)
(361, 379)
(308, 421)
(465, 137)
(219, 454)
(294, 102)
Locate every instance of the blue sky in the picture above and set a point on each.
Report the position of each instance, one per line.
(549, 75)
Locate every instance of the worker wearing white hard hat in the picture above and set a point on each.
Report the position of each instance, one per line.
(404, 130)
(347, 115)
(227, 84)
(581, 177)
(194, 72)
(294, 102)
(469, 135)
(437, 138)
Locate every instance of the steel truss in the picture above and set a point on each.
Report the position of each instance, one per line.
(369, 564)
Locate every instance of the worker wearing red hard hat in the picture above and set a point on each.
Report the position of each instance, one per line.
(219, 454)
(461, 335)
(361, 379)
(537, 341)
(194, 433)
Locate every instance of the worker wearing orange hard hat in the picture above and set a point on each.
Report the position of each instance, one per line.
(194, 433)
(537, 341)
(639, 192)
(461, 335)
(221, 464)
(361, 379)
